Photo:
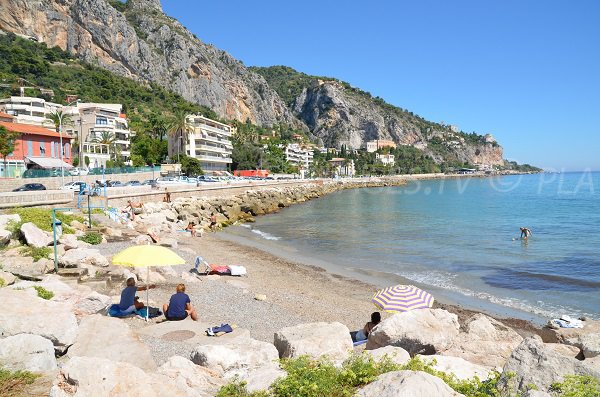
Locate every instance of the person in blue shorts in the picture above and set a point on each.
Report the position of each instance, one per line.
(129, 302)
(179, 306)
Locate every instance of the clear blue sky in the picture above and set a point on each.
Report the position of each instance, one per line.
(526, 71)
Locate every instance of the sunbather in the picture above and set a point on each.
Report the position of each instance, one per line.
(129, 302)
(179, 306)
(134, 208)
(190, 228)
(364, 333)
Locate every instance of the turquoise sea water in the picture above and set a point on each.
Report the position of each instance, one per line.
(459, 238)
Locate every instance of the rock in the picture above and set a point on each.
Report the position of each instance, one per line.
(112, 232)
(5, 237)
(238, 357)
(565, 350)
(315, 340)
(92, 303)
(27, 352)
(396, 354)
(195, 379)
(166, 271)
(170, 216)
(24, 267)
(532, 363)
(592, 363)
(142, 239)
(35, 236)
(262, 378)
(149, 276)
(23, 312)
(187, 277)
(7, 278)
(168, 242)
(69, 242)
(562, 335)
(409, 384)
(536, 393)
(115, 342)
(458, 366)
(588, 343)
(260, 297)
(485, 341)
(423, 331)
(9, 218)
(83, 256)
(78, 226)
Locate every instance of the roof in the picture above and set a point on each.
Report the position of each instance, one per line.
(6, 115)
(30, 129)
(48, 162)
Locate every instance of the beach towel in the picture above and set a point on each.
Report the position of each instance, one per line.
(218, 269)
(219, 330)
(154, 312)
(115, 311)
(236, 270)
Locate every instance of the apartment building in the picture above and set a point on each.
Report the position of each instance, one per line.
(342, 167)
(103, 131)
(207, 140)
(385, 159)
(299, 156)
(29, 110)
(373, 146)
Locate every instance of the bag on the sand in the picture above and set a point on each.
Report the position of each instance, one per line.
(154, 312)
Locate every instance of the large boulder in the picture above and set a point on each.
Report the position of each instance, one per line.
(27, 352)
(396, 354)
(533, 363)
(24, 267)
(424, 331)
(262, 378)
(25, 313)
(485, 342)
(409, 384)
(91, 303)
(9, 218)
(70, 241)
(34, 236)
(588, 343)
(110, 338)
(315, 340)
(196, 380)
(236, 358)
(83, 256)
(458, 366)
(6, 278)
(5, 236)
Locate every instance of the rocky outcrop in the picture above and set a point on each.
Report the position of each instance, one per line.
(407, 383)
(83, 256)
(34, 236)
(145, 44)
(315, 340)
(424, 331)
(395, 354)
(458, 366)
(27, 352)
(194, 379)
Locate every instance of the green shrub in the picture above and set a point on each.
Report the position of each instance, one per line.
(13, 384)
(91, 238)
(577, 386)
(44, 293)
(36, 253)
(42, 218)
(237, 388)
(2, 282)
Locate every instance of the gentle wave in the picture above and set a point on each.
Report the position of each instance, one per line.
(512, 279)
(265, 235)
(245, 225)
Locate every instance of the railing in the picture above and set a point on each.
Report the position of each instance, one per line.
(93, 171)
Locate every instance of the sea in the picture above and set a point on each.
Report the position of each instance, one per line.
(458, 238)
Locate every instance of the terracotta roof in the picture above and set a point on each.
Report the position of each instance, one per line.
(6, 115)
(30, 129)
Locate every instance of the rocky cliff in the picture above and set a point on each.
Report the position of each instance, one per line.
(340, 114)
(139, 41)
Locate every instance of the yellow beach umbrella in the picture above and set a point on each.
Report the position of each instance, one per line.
(147, 256)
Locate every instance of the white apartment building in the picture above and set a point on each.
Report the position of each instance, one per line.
(29, 110)
(207, 140)
(342, 167)
(385, 159)
(373, 146)
(299, 156)
(103, 132)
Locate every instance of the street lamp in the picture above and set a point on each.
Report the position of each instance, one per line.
(60, 119)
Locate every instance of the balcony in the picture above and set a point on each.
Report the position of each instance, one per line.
(216, 149)
(213, 129)
(214, 159)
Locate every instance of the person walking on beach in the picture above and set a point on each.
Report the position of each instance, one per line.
(179, 306)
(167, 198)
(129, 302)
(525, 233)
(134, 208)
(213, 221)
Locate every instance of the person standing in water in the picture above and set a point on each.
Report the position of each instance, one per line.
(525, 232)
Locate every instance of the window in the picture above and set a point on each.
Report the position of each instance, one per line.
(52, 153)
(30, 148)
(42, 149)
(67, 151)
(101, 120)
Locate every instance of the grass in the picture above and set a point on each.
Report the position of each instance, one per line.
(35, 252)
(93, 238)
(44, 293)
(13, 384)
(577, 386)
(42, 218)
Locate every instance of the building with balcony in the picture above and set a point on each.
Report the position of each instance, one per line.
(29, 110)
(342, 167)
(385, 159)
(373, 146)
(207, 140)
(36, 147)
(300, 156)
(103, 132)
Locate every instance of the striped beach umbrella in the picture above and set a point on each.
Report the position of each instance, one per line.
(402, 298)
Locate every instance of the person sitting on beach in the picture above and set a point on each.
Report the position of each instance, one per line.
(190, 228)
(213, 221)
(179, 306)
(129, 302)
(167, 198)
(363, 334)
(525, 232)
(133, 208)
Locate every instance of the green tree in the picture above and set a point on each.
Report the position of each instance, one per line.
(7, 145)
(108, 138)
(178, 127)
(191, 166)
(55, 118)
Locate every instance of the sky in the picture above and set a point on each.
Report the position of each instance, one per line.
(526, 71)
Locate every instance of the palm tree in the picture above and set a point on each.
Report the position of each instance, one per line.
(106, 138)
(55, 118)
(177, 127)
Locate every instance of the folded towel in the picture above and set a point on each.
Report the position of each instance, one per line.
(223, 329)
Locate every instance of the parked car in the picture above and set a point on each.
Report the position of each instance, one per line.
(204, 178)
(133, 183)
(150, 182)
(75, 186)
(115, 184)
(29, 187)
(79, 171)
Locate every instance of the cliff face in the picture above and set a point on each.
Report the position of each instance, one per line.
(341, 115)
(145, 44)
